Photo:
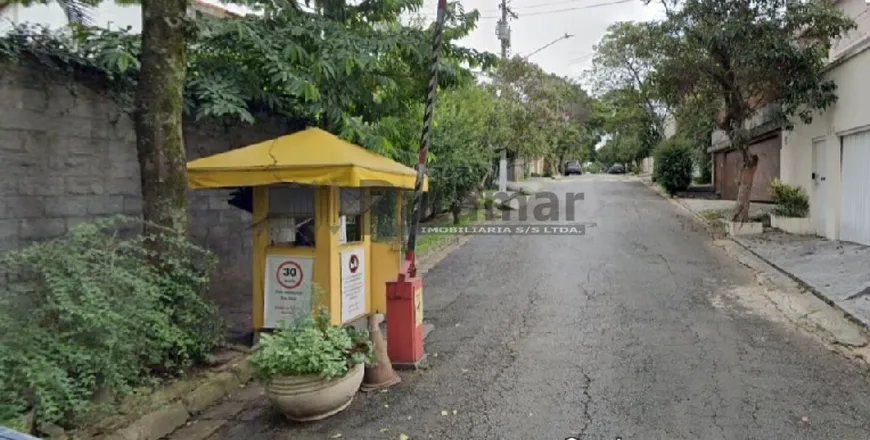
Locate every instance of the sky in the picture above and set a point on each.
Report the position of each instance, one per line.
(542, 21)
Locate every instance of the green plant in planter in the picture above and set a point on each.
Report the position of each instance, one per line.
(790, 200)
(312, 346)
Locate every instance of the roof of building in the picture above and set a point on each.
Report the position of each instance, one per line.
(308, 157)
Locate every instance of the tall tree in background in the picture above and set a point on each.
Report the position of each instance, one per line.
(622, 63)
(743, 55)
(159, 102)
(635, 129)
(549, 115)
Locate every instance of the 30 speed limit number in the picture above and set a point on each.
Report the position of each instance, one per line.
(289, 275)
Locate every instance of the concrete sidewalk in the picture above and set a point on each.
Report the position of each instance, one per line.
(839, 272)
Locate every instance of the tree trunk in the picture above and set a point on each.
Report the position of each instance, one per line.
(744, 187)
(159, 103)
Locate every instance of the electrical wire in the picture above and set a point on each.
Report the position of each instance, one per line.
(557, 11)
(596, 5)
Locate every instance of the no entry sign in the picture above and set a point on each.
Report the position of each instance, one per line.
(353, 284)
(353, 263)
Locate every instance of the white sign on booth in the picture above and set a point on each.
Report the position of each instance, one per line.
(288, 289)
(353, 283)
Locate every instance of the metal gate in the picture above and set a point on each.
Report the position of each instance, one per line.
(855, 191)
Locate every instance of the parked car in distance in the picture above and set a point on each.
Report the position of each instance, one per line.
(573, 167)
(616, 169)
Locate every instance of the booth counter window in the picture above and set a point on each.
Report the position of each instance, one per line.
(351, 211)
(291, 215)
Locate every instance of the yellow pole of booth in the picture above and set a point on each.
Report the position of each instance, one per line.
(260, 238)
(327, 272)
(367, 246)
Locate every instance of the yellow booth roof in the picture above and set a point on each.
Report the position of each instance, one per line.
(309, 157)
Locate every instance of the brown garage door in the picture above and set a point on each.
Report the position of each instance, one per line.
(728, 169)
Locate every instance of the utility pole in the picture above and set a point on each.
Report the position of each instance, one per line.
(503, 32)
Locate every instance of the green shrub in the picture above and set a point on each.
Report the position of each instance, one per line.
(634, 169)
(593, 168)
(86, 314)
(673, 166)
(311, 346)
(790, 200)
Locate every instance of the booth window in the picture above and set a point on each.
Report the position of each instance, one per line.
(291, 215)
(351, 210)
(385, 225)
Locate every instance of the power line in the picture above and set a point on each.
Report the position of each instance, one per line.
(597, 5)
(522, 8)
(540, 5)
(582, 57)
(556, 11)
(564, 37)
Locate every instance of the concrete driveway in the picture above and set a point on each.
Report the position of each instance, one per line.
(631, 331)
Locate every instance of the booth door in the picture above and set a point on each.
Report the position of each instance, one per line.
(386, 244)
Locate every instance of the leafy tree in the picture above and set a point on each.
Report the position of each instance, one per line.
(633, 126)
(744, 55)
(549, 115)
(370, 70)
(621, 65)
(460, 145)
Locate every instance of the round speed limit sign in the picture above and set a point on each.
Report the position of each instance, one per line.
(289, 275)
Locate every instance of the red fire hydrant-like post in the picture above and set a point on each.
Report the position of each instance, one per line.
(405, 295)
(405, 312)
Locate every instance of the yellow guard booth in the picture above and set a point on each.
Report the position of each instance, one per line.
(325, 213)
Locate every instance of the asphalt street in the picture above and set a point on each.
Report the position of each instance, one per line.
(625, 332)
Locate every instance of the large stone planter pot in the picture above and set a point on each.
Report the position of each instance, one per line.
(792, 225)
(309, 398)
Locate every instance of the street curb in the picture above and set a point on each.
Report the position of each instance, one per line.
(182, 400)
(779, 269)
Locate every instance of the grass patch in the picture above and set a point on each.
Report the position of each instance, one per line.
(716, 217)
(427, 242)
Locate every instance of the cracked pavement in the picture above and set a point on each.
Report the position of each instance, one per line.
(627, 332)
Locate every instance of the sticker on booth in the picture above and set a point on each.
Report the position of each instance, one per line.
(353, 284)
(288, 289)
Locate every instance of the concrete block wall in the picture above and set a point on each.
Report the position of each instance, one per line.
(68, 155)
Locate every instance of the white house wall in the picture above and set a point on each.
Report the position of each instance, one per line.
(851, 113)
